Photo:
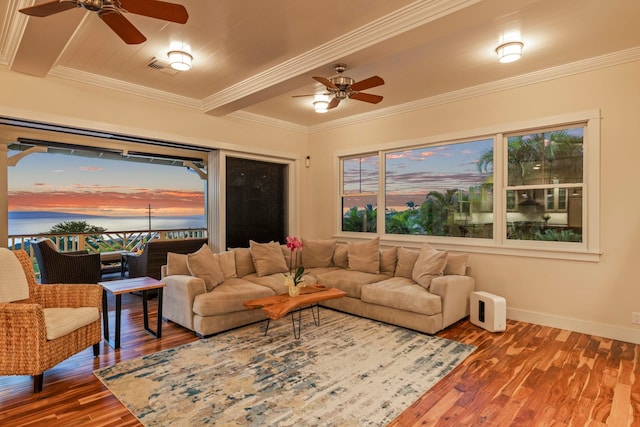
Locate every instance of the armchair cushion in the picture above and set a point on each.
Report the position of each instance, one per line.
(13, 282)
(61, 321)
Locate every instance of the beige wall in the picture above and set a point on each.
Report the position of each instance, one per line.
(594, 297)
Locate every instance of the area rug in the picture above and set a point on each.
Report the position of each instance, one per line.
(349, 371)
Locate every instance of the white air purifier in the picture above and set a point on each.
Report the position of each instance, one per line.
(488, 311)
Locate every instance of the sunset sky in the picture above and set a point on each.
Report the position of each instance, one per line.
(412, 174)
(93, 186)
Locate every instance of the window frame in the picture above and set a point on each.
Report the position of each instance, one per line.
(587, 250)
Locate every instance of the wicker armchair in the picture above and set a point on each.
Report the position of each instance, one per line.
(31, 341)
(69, 267)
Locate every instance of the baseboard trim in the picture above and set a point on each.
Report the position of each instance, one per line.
(631, 335)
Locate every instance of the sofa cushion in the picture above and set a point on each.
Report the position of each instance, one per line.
(429, 265)
(228, 297)
(268, 258)
(244, 262)
(317, 253)
(177, 264)
(340, 256)
(275, 282)
(350, 281)
(204, 265)
(406, 260)
(388, 260)
(364, 256)
(227, 261)
(456, 264)
(403, 294)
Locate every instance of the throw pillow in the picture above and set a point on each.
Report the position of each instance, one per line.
(388, 260)
(13, 281)
(317, 253)
(227, 261)
(406, 260)
(204, 265)
(340, 256)
(244, 262)
(456, 264)
(177, 264)
(429, 265)
(267, 258)
(364, 256)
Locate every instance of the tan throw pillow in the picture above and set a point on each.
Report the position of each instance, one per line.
(340, 256)
(204, 265)
(227, 261)
(406, 260)
(177, 264)
(13, 282)
(317, 253)
(364, 256)
(244, 262)
(388, 260)
(268, 258)
(429, 265)
(456, 264)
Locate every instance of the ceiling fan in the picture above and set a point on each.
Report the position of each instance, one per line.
(111, 12)
(341, 87)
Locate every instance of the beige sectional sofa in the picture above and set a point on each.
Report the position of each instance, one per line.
(425, 290)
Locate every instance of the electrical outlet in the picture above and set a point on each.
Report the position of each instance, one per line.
(635, 318)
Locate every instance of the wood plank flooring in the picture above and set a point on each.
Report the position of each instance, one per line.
(527, 376)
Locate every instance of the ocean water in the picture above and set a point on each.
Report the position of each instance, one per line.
(27, 223)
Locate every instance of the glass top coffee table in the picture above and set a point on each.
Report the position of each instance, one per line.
(278, 306)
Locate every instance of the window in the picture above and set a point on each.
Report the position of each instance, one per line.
(360, 193)
(545, 179)
(445, 190)
(513, 191)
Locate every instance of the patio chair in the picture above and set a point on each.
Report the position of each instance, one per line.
(67, 267)
(40, 326)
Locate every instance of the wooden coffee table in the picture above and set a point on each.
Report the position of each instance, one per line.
(278, 306)
(125, 286)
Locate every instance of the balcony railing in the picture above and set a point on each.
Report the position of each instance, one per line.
(110, 241)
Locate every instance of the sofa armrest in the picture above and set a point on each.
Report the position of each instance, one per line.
(178, 298)
(455, 292)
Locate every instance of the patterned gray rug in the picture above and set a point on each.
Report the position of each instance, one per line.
(348, 371)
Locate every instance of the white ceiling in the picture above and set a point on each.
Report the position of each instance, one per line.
(252, 56)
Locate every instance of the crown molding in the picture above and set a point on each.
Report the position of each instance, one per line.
(12, 29)
(269, 121)
(578, 67)
(119, 85)
(402, 20)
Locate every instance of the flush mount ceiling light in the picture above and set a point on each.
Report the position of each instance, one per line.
(321, 103)
(509, 52)
(180, 60)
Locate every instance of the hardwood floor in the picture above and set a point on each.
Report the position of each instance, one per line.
(527, 376)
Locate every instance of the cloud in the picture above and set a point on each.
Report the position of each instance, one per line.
(90, 168)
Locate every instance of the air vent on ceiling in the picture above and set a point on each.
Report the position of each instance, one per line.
(162, 66)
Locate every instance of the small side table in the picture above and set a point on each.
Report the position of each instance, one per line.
(125, 286)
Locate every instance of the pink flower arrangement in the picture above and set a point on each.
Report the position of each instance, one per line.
(297, 271)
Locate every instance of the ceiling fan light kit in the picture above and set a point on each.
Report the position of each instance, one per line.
(509, 52)
(342, 87)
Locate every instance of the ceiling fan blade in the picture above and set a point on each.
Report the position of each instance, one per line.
(122, 27)
(328, 83)
(157, 9)
(366, 97)
(333, 104)
(367, 83)
(49, 8)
